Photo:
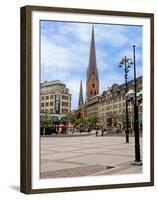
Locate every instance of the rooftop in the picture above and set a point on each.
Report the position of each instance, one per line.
(54, 82)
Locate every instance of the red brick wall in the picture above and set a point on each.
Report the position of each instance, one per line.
(92, 87)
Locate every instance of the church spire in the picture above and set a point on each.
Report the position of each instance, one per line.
(92, 66)
(80, 100)
(92, 84)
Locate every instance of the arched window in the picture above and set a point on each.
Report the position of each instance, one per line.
(93, 85)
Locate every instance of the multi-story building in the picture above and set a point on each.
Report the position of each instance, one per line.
(92, 106)
(55, 97)
(112, 103)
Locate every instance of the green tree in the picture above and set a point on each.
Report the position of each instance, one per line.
(77, 122)
(73, 119)
(92, 120)
(45, 121)
(95, 120)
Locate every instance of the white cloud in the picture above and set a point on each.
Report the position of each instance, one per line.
(65, 54)
(64, 57)
(113, 35)
(80, 30)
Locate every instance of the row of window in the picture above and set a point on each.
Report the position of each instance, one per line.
(47, 110)
(52, 110)
(117, 111)
(47, 104)
(112, 101)
(65, 104)
(116, 106)
(47, 97)
(51, 104)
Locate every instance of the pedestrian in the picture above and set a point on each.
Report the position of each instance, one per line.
(96, 133)
(102, 132)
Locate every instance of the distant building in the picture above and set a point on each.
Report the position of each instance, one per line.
(55, 97)
(92, 106)
(80, 100)
(112, 102)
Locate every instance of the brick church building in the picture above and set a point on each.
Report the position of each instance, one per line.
(92, 84)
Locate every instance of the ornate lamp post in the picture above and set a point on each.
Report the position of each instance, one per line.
(126, 62)
(136, 123)
(132, 95)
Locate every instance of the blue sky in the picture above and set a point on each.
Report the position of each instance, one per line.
(65, 53)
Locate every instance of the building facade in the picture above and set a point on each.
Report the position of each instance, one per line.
(111, 106)
(55, 98)
(92, 106)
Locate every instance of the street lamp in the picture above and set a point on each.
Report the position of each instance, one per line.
(132, 95)
(136, 123)
(126, 62)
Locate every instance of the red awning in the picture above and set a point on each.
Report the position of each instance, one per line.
(66, 126)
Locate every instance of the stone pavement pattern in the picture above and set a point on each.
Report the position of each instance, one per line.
(86, 156)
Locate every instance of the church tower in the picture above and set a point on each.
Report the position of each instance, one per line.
(92, 84)
(80, 100)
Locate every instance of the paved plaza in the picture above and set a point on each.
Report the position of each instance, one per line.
(86, 156)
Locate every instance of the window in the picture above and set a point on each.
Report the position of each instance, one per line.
(114, 106)
(64, 103)
(47, 104)
(42, 110)
(64, 111)
(51, 103)
(65, 97)
(91, 92)
(47, 97)
(51, 96)
(42, 97)
(42, 104)
(93, 85)
(51, 110)
(115, 100)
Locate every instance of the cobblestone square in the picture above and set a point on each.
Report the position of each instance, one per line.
(86, 156)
